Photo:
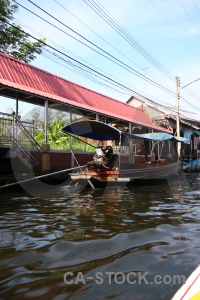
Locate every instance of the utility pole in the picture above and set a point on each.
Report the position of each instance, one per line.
(177, 115)
(177, 109)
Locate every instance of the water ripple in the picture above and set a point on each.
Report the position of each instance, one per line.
(138, 229)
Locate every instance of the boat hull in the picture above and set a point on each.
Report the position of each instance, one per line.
(147, 171)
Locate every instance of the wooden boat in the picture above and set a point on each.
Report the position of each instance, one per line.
(108, 166)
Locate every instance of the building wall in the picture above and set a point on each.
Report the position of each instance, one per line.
(60, 160)
(152, 111)
(63, 160)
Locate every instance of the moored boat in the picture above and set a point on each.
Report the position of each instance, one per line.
(107, 165)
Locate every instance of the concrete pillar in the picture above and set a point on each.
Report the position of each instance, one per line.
(46, 162)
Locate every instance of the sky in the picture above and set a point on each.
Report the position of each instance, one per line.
(156, 40)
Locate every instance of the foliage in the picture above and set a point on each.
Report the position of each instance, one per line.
(13, 40)
(58, 140)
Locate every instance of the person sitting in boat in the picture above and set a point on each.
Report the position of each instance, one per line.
(103, 158)
(108, 151)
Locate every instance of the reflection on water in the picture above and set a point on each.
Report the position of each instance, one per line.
(143, 230)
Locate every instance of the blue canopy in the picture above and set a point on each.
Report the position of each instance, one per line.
(96, 130)
(181, 139)
(155, 136)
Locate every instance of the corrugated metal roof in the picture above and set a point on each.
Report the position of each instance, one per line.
(25, 77)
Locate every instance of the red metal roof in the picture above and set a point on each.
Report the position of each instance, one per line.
(24, 77)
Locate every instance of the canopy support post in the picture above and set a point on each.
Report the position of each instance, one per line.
(91, 184)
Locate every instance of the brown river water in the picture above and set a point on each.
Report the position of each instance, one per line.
(138, 241)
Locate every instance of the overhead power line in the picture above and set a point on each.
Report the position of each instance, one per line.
(96, 33)
(99, 74)
(106, 16)
(109, 57)
(83, 72)
(198, 10)
(89, 68)
(115, 25)
(174, 30)
(75, 60)
(101, 37)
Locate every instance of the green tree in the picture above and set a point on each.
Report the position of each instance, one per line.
(13, 41)
(59, 140)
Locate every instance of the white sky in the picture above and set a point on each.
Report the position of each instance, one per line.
(168, 30)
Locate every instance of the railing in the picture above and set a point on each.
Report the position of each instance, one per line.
(33, 156)
(20, 134)
(6, 129)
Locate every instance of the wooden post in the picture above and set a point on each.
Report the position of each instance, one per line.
(46, 163)
(17, 106)
(46, 121)
(131, 156)
(13, 130)
(70, 137)
(169, 147)
(177, 116)
(33, 128)
(70, 140)
(16, 118)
